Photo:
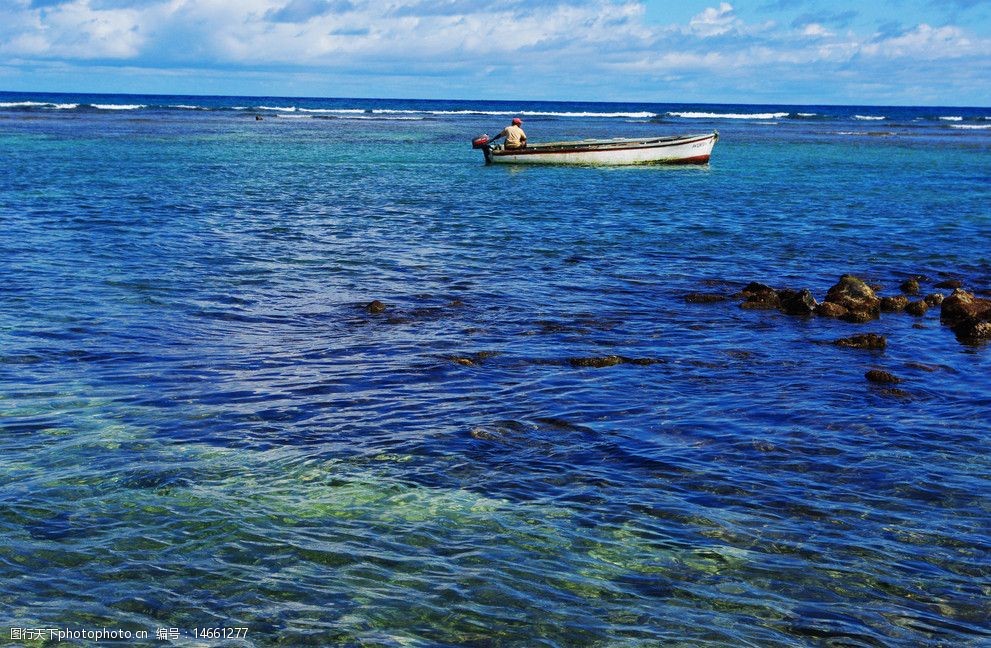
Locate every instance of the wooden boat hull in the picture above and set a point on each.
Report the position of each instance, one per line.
(690, 149)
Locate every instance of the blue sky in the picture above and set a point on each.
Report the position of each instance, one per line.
(886, 52)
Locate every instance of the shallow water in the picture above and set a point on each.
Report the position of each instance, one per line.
(203, 426)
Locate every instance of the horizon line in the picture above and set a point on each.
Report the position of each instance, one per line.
(502, 101)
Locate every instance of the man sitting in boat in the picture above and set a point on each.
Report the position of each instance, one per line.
(515, 137)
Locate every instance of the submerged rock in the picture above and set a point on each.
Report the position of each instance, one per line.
(797, 302)
(881, 377)
(759, 296)
(704, 298)
(858, 316)
(375, 307)
(857, 297)
(602, 361)
(935, 299)
(917, 308)
(893, 304)
(949, 283)
(973, 331)
(473, 359)
(611, 361)
(829, 309)
(871, 341)
(910, 286)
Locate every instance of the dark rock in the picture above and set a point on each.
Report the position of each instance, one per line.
(375, 307)
(604, 361)
(917, 308)
(893, 304)
(716, 282)
(858, 316)
(800, 302)
(473, 359)
(854, 295)
(704, 298)
(829, 309)
(501, 431)
(760, 445)
(921, 366)
(759, 296)
(935, 299)
(910, 286)
(961, 306)
(611, 361)
(643, 361)
(881, 377)
(758, 303)
(871, 341)
(949, 283)
(972, 331)
(756, 288)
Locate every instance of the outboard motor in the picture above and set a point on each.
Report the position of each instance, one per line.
(480, 142)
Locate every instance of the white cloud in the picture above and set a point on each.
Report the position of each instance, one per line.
(582, 42)
(928, 43)
(714, 21)
(815, 30)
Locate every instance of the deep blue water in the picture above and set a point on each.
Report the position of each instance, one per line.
(202, 425)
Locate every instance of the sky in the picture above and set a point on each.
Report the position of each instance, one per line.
(880, 52)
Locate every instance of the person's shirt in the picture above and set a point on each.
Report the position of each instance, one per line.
(514, 136)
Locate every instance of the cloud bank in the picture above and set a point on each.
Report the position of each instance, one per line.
(581, 49)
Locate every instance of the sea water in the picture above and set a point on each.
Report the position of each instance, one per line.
(538, 441)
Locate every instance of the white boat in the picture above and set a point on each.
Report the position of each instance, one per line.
(677, 149)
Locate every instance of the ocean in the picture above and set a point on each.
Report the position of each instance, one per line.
(531, 437)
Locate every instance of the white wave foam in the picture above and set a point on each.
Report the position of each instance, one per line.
(953, 118)
(627, 115)
(869, 117)
(523, 113)
(295, 116)
(185, 107)
(971, 126)
(37, 104)
(806, 114)
(384, 118)
(333, 111)
(22, 104)
(710, 115)
(118, 106)
(277, 108)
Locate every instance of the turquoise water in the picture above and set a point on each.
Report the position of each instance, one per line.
(201, 425)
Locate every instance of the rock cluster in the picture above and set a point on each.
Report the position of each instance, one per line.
(853, 300)
(968, 316)
(871, 341)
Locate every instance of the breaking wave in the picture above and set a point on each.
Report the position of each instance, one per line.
(711, 115)
(870, 117)
(38, 104)
(118, 106)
